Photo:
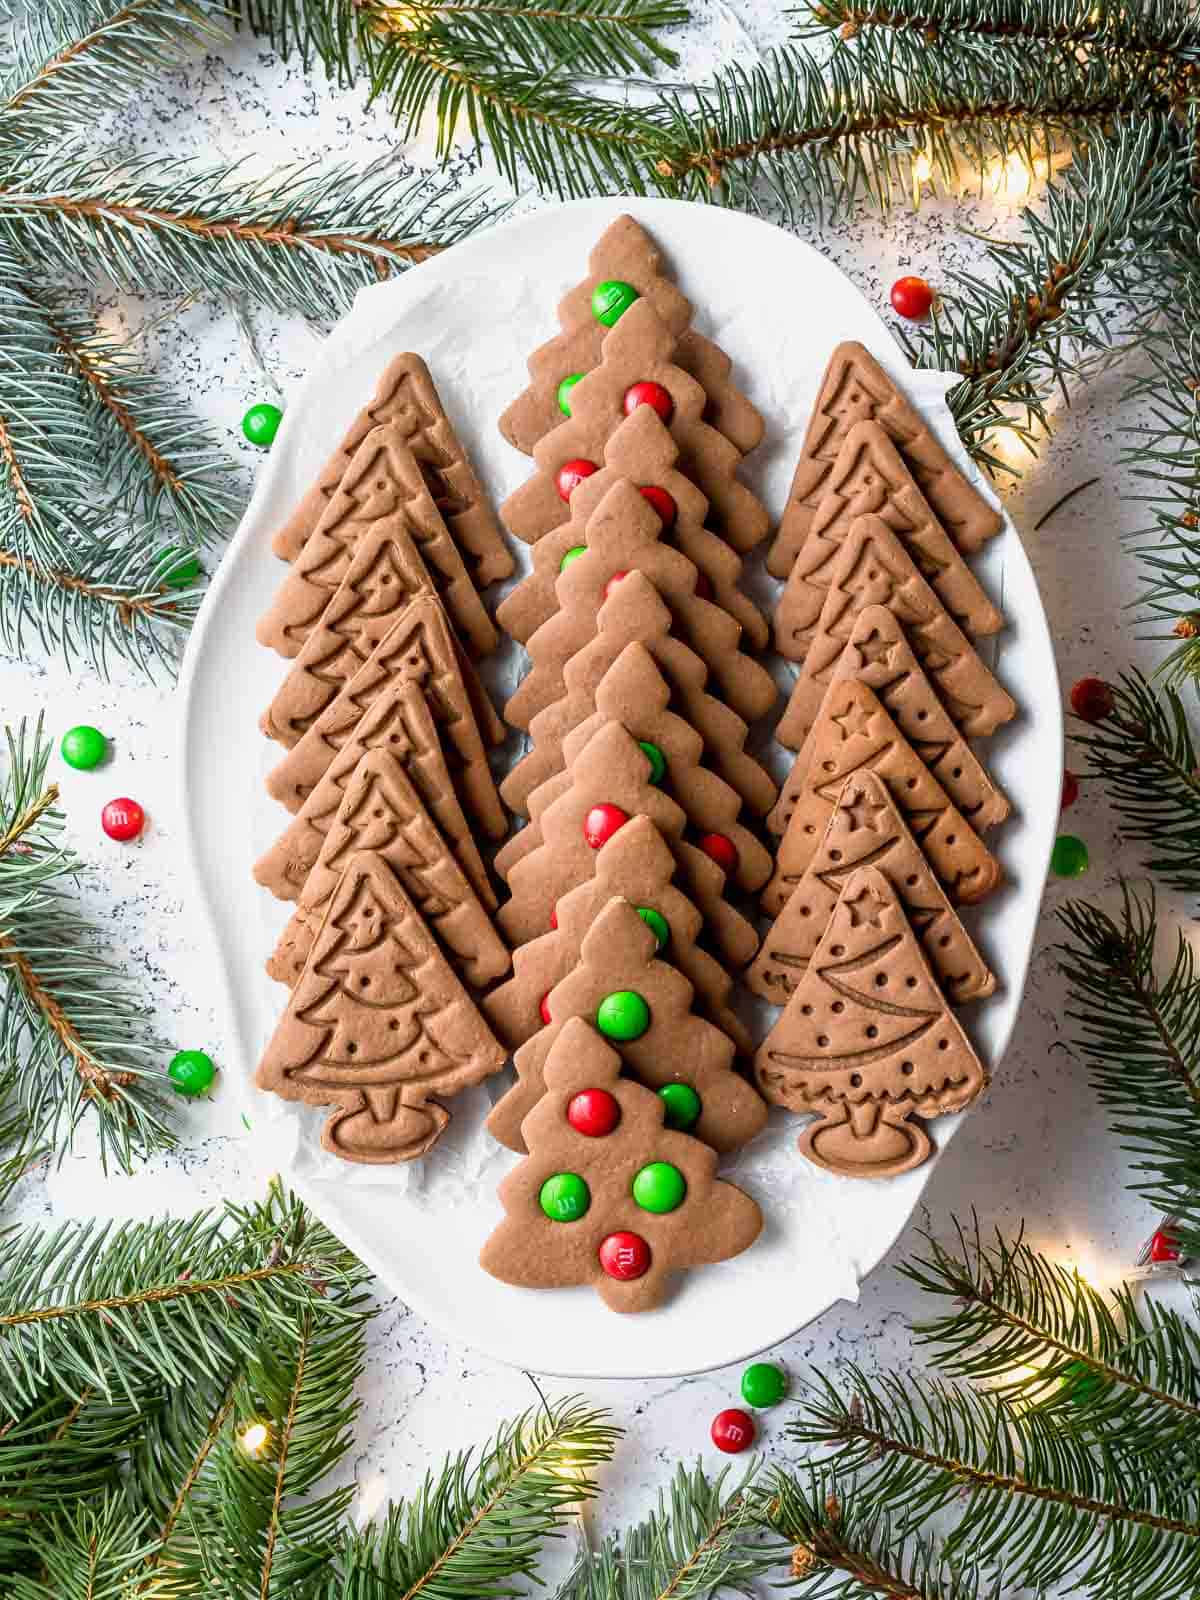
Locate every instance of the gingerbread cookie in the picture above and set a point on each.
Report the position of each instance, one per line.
(422, 649)
(635, 611)
(867, 829)
(406, 397)
(623, 537)
(611, 1194)
(854, 734)
(636, 368)
(643, 1007)
(874, 570)
(625, 265)
(643, 451)
(377, 1025)
(637, 865)
(867, 1041)
(869, 477)
(382, 812)
(855, 389)
(400, 722)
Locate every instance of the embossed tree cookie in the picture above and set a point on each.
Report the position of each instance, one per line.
(869, 477)
(854, 734)
(634, 611)
(866, 829)
(419, 648)
(383, 813)
(873, 570)
(622, 537)
(867, 1042)
(382, 489)
(609, 1194)
(643, 451)
(643, 1007)
(624, 265)
(636, 864)
(636, 368)
(378, 1025)
(405, 396)
(610, 781)
(855, 389)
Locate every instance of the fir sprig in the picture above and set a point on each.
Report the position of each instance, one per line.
(93, 1552)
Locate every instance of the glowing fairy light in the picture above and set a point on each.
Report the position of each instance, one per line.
(922, 168)
(253, 1440)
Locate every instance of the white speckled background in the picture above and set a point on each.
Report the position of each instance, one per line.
(1037, 1149)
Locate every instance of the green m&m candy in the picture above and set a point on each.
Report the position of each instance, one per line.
(192, 1072)
(611, 300)
(1069, 858)
(564, 392)
(573, 554)
(564, 1197)
(657, 923)
(83, 747)
(764, 1384)
(682, 1103)
(623, 1015)
(177, 567)
(658, 762)
(261, 424)
(659, 1187)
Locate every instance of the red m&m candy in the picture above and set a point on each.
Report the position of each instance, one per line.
(911, 298)
(704, 588)
(649, 394)
(625, 1256)
(1092, 699)
(544, 1008)
(123, 819)
(1070, 789)
(733, 1430)
(613, 582)
(1163, 1246)
(663, 503)
(602, 822)
(721, 850)
(570, 475)
(594, 1112)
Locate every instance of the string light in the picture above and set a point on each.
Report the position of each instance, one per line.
(253, 1440)
(922, 172)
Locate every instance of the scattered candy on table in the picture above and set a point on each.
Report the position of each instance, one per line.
(733, 1431)
(1163, 1246)
(1069, 857)
(192, 1072)
(1092, 699)
(1070, 789)
(123, 819)
(178, 568)
(912, 298)
(83, 747)
(764, 1384)
(261, 424)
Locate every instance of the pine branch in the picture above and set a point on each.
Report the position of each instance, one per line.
(1145, 755)
(94, 1553)
(1140, 1036)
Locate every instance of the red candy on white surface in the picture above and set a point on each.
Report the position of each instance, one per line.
(123, 819)
(1163, 1246)
(911, 297)
(733, 1430)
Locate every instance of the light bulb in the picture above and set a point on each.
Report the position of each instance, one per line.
(253, 1440)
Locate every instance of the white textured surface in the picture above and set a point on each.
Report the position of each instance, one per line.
(1037, 1149)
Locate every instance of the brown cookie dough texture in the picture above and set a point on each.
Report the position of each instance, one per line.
(866, 829)
(378, 1025)
(868, 1042)
(637, 865)
(870, 478)
(611, 769)
(382, 489)
(678, 1046)
(875, 570)
(421, 649)
(643, 451)
(713, 1222)
(383, 813)
(856, 389)
(634, 612)
(623, 536)
(406, 397)
(854, 734)
(626, 253)
(638, 349)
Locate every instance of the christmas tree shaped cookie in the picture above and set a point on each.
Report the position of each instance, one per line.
(634, 611)
(634, 693)
(855, 389)
(382, 489)
(622, 537)
(874, 570)
(405, 397)
(625, 265)
(636, 368)
(854, 734)
(867, 1041)
(401, 723)
(866, 829)
(878, 654)
(643, 451)
(610, 1194)
(637, 865)
(610, 780)
(869, 477)
(377, 1025)
(642, 1006)
(420, 648)
(383, 813)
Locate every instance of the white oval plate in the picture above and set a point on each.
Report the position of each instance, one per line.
(778, 307)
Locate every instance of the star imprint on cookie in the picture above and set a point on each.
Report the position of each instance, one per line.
(875, 648)
(863, 812)
(865, 910)
(855, 719)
